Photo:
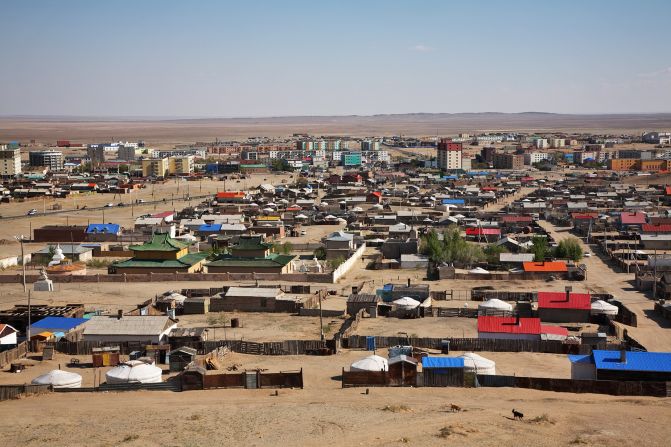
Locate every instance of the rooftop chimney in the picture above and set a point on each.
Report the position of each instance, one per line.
(119, 315)
(623, 356)
(408, 282)
(568, 293)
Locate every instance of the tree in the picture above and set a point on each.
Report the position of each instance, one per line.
(335, 263)
(540, 248)
(569, 249)
(451, 249)
(320, 253)
(492, 253)
(279, 164)
(123, 168)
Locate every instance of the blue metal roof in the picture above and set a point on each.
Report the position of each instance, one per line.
(636, 361)
(453, 201)
(442, 362)
(450, 177)
(58, 323)
(210, 227)
(388, 287)
(103, 228)
(580, 358)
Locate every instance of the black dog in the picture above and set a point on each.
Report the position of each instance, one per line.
(517, 415)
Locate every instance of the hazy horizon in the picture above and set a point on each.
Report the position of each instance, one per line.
(263, 59)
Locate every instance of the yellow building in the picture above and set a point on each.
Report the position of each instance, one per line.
(180, 165)
(155, 167)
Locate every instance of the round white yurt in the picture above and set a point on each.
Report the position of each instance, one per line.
(495, 304)
(478, 364)
(479, 271)
(59, 379)
(134, 371)
(406, 303)
(370, 363)
(600, 307)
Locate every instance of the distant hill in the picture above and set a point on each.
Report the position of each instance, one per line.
(47, 128)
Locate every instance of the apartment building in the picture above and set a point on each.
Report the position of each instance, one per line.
(10, 161)
(542, 143)
(509, 161)
(370, 145)
(96, 153)
(155, 167)
(449, 154)
(127, 153)
(49, 158)
(535, 157)
(180, 165)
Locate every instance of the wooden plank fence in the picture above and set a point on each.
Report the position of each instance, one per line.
(8, 392)
(286, 347)
(612, 387)
(476, 344)
(7, 357)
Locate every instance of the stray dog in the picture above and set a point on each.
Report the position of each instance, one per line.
(455, 408)
(517, 415)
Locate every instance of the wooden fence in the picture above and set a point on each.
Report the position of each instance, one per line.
(469, 313)
(7, 357)
(286, 347)
(624, 314)
(8, 392)
(200, 379)
(612, 387)
(477, 344)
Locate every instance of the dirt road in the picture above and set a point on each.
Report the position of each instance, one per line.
(601, 278)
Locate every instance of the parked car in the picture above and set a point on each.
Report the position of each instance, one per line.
(32, 212)
(109, 205)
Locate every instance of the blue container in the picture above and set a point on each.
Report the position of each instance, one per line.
(370, 343)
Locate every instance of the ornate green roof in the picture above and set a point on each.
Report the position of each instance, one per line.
(251, 243)
(184, 261)
(273, 260)
(160, 242)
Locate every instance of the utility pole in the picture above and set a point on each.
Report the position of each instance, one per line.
(20, 239)
(29, 309)
(321, 293)
(654, 278)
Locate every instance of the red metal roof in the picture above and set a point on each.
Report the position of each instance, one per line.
(471, 231)
(578, 216)
(230, 195)
(648, 228)
(554, 330)
(163, 214)
(667, 190)
(557, 300)
(509, 325)
(632, 218)
(555, 266)
(511, 219)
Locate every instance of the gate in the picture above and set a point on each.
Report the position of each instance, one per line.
(251, 380)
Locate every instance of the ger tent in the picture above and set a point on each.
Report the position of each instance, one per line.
(134, 371)
(370, 363)
(495, 304)
(406, 303)
(478, 364)
(600, 307)
(59, 379)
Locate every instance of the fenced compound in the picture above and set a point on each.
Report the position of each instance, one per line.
(286, 347)
(200, 379)
(484, 295)
(8, 392)
(477, 344)
(469, 313)
(7, 357)
(615, 388)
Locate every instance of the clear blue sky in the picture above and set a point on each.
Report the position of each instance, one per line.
(340, 57)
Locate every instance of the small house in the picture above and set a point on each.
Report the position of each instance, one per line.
(130, 328)
(7, 336)
(622, 366)
(196, 305)
(564, 307)
(358, 301)
(402, 371)
(443, 371)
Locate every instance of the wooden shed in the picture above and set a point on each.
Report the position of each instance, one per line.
(358, 301)
(196, 305)
(180, 358)
(106, 356)
(402, 371)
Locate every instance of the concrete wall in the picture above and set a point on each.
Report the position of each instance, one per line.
(347, 265)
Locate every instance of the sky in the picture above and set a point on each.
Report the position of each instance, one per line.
(252, 58)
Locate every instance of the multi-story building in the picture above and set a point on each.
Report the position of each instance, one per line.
(10, 161)
(370, 145)
(557, 143)
(180, 165)
(155, 167)
(487, 154)
(49, 158)
(127, 153)
(509, 161)
(542, 143)
(657, 137)
(351, 159)
(96, 153)
(449, 154)
(535, 157)
(622, 164)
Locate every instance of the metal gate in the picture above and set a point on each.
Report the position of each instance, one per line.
(251, 380)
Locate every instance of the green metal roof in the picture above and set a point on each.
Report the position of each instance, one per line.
(251, 243)
(160, 242)
(273, 260)
(184, 261)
